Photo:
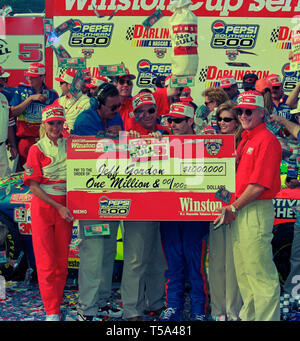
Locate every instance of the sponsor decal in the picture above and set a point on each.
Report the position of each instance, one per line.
(90, 34)
(281, 37)
(211, 75)
(284, 208)
(139, 36)
(226, 36)
(189, 206)
(5, 51)
(148, 72)
(213, 146)
(87, 53)
(290, 78)
(114, 207)
(20, 198)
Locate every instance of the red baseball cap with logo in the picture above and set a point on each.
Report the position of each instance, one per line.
(36, 70)
(185, 95)
(250, 100)
(180, 109)
(141, 99)
(67, 76)
(97, 81)
(227, 82)
(3, 73)
(274, 79)
(53, 113)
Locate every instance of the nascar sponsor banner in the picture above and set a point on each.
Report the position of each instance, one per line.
(173, 178)
(21, 43)
(234, 38)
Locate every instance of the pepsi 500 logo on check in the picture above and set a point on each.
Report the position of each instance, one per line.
(90, 35)
(148, 72)
(233, 36)
(114, 207)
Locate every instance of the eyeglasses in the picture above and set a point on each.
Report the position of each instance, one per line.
(248, 112)
(149, 111)
(225, 119)
(177, 120)
(113, 107)
(207, 103)
(123, 81)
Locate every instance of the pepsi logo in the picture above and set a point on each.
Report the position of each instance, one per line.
(218, 27)
(77, 26)
(144, 66)
(287, 72)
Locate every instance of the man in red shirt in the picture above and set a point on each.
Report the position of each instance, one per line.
(252, 213)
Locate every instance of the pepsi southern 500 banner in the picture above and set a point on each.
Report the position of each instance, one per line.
(172, 178)
(242, 36)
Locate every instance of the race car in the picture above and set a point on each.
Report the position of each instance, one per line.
(16, 250)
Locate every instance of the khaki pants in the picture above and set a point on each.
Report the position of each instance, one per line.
(256, 272)
(144, 268)
(224, 291)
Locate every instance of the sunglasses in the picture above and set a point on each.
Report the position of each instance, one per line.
(225, 119)
(113, 107)
(248, 112)
(176, 120)
(207, 103)
(61, 83)
(149, 111)
(123, 81)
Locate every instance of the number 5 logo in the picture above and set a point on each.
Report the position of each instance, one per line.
(29, 53)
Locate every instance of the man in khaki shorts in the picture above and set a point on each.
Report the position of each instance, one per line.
(252, 213)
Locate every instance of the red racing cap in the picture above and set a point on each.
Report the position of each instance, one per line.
(36, 70)
(227, 82)
(53, 113)
(180, 109)
(250, 100)
(67, 76)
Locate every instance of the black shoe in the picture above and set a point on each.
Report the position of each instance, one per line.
(110, 311)
(81, 317)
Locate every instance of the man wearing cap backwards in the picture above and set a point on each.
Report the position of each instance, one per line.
(249, 81)
(51, 220)
(252, 213)
(229, 85)
(97, 254)
(143, 277)
(182, 243)
(279, 98)
(73, 106)
(27, 105)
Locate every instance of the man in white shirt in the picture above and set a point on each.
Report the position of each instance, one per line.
(73, 106)
(6, 133)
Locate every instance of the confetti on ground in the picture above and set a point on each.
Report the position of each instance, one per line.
(23, 303)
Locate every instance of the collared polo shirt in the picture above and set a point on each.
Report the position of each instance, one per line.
(259, 155)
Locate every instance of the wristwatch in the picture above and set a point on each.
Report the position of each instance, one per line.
(233, 209)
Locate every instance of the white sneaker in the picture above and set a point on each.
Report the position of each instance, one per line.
(54, 317)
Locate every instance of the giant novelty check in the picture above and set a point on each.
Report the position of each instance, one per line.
(172, 178)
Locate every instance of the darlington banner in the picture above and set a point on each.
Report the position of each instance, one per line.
(173, 178)
(234, 37)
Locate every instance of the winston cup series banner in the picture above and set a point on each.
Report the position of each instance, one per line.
(233, 38)
(173, 178)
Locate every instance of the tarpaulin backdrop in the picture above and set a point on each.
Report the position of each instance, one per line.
(234, 38)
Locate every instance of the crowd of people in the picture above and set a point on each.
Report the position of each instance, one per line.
(159, 257)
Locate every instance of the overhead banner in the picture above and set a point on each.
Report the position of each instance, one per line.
(174, 178)
(234, 38)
